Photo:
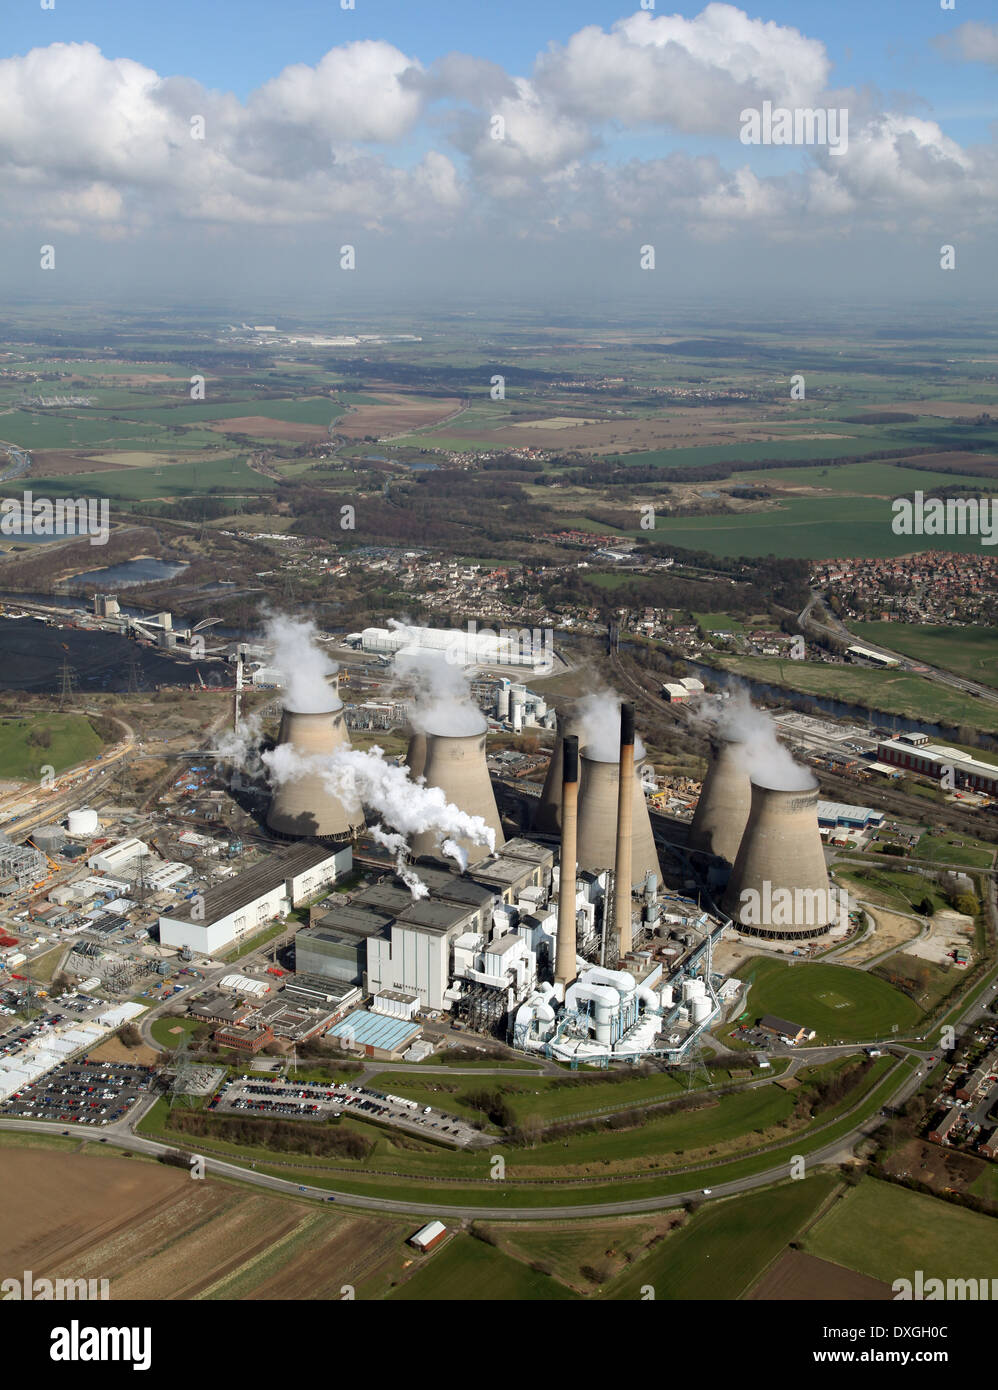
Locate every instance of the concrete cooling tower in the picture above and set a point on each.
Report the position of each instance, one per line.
(415, 758)
(303, 806)
(547, 815)
(779, 884)
(723, 808)
(456, 764)
(598, 821)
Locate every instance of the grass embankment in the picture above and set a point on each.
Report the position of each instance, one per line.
(411, 1172)
(466, 1269)
(58, 741)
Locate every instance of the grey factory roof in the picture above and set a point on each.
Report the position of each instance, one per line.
(435, 916)
(390, 898)
(355, 918)
(503, 870)
(455, 888)
(526, 849)
(285, 862)
(502, 944)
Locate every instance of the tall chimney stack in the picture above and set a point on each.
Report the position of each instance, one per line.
(564, 961)
(625, 839)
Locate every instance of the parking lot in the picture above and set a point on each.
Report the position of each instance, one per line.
(317, 1101)
(82, 1092)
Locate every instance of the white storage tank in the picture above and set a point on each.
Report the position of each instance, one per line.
(694, 989)
(83, 822)
(701, 1010)
(667, 999)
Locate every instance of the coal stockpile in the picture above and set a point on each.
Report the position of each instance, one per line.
(32, 657)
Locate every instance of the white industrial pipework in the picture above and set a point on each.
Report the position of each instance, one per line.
(649, 998)
(620, 980)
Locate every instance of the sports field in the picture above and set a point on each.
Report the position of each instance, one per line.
(723, 1249)
(889, 1233)
(837, 1002)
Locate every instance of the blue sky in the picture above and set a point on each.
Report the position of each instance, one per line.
(236, 45)
(620, 136)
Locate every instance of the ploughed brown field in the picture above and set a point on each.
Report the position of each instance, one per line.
(155, 1232)
(802, 1278)
(395, 413)
(267, 428)
(62, 463)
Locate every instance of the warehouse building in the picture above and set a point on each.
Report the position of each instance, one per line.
(241, 907)
(914, 753)
(375, 1035)
(785, 1030)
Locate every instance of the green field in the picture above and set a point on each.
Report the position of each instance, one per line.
(718, 622)
(889, 1233)
(810, 528)
(971, 652)
(837, 1002)
(466, 1269)
(890, 691)
(854, 440)
(230, 474)
(162, 1029)
(895, 886)
(955, 849)
(865, 479)
(71, 738)
(724, 1248)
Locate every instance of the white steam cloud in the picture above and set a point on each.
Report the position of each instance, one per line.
(405, 806)
(442, 702)
(598, 714)
(306, 669)
(758, 749)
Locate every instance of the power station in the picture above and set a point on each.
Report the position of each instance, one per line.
(552, 949)
(455, 763)
(302, 806)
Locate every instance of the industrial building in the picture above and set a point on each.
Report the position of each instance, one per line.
(375, 1035)
(505, 647)
(239, 908)
(915, 753)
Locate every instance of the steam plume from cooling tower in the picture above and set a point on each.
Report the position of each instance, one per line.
(598, 714)
(757, 749)
(442, 701)
(304, 666)
(353, 774)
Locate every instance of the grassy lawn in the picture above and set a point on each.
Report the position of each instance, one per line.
(254, 943)
(718, 622)
(951, 849)
(894, 887)
(966, 651)
(161, 1029)
(889, 1232)
(467, 1269)
(834, 1000)
(891, 691)
(724, 1248)
(71, 737)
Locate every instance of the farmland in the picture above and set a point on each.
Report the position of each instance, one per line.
(154, 1234)
(966, 651)
(888, 1232)
(723, 1249)
(465, 1268)
(891, 691)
